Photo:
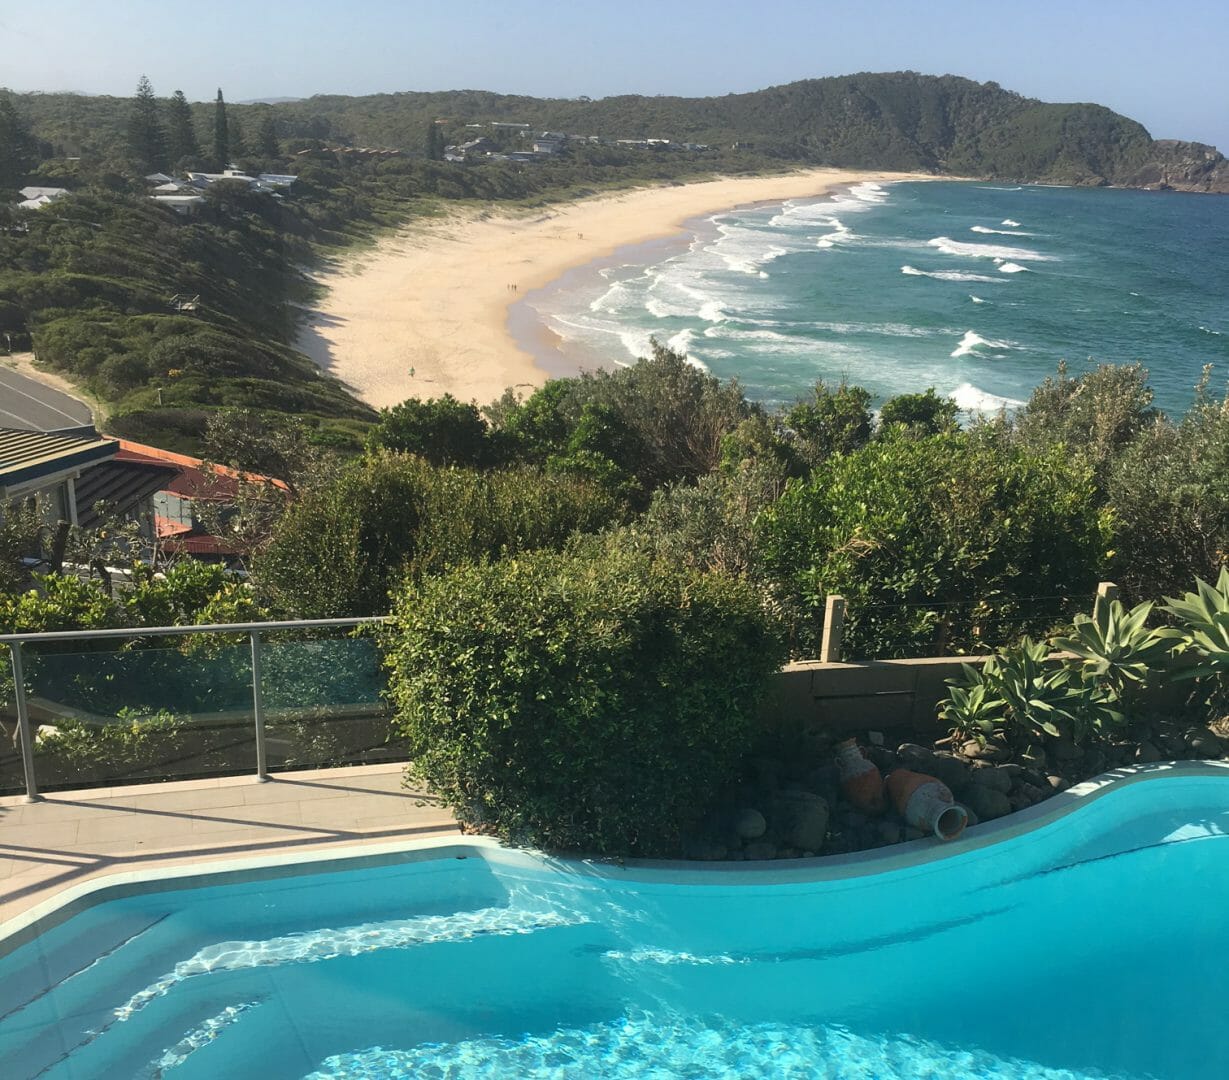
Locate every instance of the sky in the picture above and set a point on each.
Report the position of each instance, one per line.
(1161, 64)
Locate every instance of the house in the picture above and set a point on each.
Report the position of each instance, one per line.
(158, 178)
(35, 198)
(181, 204)
(43, 467)
(195, 497)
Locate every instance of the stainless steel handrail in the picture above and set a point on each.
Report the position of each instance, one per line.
(208, 628)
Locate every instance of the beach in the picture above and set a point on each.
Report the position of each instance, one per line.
(425, 312)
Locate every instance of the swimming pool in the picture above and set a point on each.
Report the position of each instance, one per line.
(1060, 942)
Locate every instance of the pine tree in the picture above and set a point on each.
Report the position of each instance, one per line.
(266, 137)
(181, 135)
(18, 152)
(146, 136)
(221, 136)
(435, 142)
(234, 129)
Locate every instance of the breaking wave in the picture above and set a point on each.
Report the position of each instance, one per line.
(948, 275)
(973, 341)
(1012, 268)
(997, 232)
(1009, 223)
(986, 251)
(970, 398)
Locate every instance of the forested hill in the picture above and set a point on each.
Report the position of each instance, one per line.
(900, 120)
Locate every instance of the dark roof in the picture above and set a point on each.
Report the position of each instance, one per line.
(30, 455)
(120, 483)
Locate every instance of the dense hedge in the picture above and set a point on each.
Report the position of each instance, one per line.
(345, 545)
(570, 703)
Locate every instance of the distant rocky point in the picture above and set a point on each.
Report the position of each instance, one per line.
(1183, 166)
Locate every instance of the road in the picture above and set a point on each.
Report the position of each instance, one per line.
(25, 403)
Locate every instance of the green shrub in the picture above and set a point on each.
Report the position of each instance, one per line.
(937, 543)
(581, 704)
(341, 548)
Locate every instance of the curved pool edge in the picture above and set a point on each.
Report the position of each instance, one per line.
(911, 854)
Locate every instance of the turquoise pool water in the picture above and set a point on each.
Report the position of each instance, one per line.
(1094, 945)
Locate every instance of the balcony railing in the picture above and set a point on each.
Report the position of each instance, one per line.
(105, 707)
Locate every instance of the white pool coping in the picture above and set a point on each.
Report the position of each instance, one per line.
(913, 853)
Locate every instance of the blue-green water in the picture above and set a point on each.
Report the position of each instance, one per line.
(1091, 947)
(978, 290)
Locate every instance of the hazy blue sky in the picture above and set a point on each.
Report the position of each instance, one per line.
(1163, 64)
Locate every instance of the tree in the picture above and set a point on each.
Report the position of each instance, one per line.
(181, 135)
(443, 430)
(836, 421)
(921, 414)
(147, 143)
(18, 151)
(221, 134)
(435, 141)
(266, 137)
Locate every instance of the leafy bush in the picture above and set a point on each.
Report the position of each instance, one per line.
(935, 542)
(443, 430)
(1169, 490)
(921, 414)
(569, 703)
(836, 421)
(344, 545)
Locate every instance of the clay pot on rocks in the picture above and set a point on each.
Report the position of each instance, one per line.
(861, 781)
(927, 804)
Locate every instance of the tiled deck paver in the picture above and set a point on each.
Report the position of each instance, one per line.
(75, 836)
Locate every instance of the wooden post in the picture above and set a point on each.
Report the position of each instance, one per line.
(834, 628)
(1107, 593)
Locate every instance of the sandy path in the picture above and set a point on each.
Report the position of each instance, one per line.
(425, 311)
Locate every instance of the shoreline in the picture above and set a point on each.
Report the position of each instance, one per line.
(428, 310)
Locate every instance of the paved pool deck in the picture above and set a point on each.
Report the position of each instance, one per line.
(76, 836)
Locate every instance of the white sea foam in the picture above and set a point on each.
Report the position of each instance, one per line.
(986, 251)
(971, 398)
(973, 341)
(617, 298)
(1012, 268)
(1208, 330)
(987, 187)
(997, 232)
(976, 299)
(1009, 223)
(948, 275)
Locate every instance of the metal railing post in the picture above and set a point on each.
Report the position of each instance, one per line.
(258, 710)
(23, 723)
(834, 629)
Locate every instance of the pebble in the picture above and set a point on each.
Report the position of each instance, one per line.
(992, 777)
(1146, 752)
(750, 825)
(986, 803)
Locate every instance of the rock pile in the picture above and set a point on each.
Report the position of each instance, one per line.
(792, 806)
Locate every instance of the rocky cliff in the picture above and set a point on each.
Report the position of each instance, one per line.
(1183, 166)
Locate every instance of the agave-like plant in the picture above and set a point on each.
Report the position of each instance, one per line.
(972, 707)
(1116, 649)
(1043, 695)
(1204, 633)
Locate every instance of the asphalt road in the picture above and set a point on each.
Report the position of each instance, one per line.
(25, 403)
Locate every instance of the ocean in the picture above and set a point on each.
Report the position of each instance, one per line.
(976, 289)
